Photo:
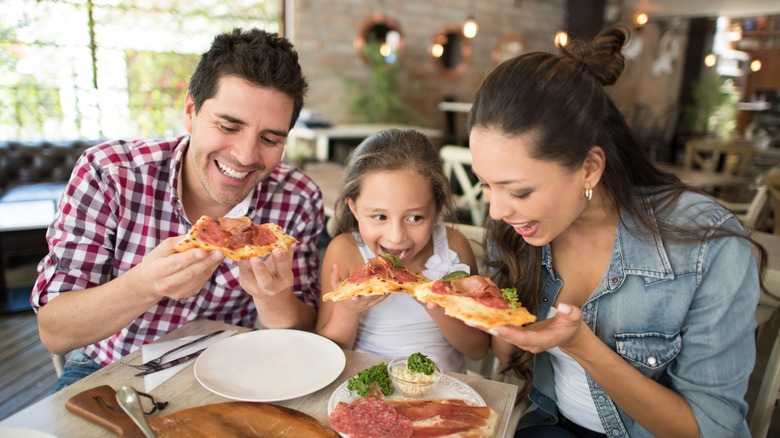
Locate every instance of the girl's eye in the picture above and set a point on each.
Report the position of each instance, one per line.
(379, 217)
(415, 218)
(483, 186)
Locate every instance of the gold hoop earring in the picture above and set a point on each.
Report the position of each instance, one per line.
(589, 192)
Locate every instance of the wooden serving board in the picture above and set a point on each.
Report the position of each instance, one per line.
(229, 419)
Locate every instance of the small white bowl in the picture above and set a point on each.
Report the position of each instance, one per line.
(411, 384)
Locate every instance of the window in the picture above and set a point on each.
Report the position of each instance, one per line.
(108, 68)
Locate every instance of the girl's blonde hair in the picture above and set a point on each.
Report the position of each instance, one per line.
(393, 149)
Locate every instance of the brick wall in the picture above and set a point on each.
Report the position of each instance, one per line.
(325, 30)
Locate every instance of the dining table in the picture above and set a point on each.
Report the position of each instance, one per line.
(183, 391)
(703, 179)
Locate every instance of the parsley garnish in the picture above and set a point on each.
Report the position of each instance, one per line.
(453, 275)
(420, 363)
(377, 373)
(510, 294)
(398, 263)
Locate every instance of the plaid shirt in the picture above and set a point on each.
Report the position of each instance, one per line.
(120, 204)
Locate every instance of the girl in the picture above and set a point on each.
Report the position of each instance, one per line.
(645, 289)
(395, 190)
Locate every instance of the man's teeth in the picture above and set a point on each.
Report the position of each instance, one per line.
(230, 172)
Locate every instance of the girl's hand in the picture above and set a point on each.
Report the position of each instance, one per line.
(559, 331)
(354, 304)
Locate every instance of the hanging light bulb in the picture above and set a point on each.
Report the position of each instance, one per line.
(710, 60)
(437, 50)
(755, 65)
(470, 28)
(641, 19)
(561, 38)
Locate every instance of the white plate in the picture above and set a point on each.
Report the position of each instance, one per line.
(448, 387)
(269, 365)
(17, 432)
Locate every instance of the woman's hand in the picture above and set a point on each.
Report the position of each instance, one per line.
(561, 331)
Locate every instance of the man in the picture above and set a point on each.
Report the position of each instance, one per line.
(112, 282)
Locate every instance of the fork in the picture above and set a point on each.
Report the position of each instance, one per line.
(156, 362)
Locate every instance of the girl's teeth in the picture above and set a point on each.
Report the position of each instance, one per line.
(230, 172)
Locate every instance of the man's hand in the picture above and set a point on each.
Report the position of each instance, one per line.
(266, 278)
(174, 274)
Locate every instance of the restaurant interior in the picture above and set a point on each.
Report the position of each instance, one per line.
(701, 92)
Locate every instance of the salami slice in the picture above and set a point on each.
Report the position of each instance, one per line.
(369, 418)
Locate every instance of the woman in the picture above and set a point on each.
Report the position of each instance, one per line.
(645, 289)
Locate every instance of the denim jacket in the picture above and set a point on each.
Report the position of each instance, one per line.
(680, 313)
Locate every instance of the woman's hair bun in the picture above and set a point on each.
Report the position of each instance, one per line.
(601, 56)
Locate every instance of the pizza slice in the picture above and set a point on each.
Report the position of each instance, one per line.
(475, 300)
(238, 239)
(380, 275)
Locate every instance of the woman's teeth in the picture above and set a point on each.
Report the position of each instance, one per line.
(525, 226)
(230, 172)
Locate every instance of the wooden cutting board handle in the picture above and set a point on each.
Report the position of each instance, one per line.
(88, 405)
(229, 419)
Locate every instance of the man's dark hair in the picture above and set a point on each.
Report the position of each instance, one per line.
(261, 58)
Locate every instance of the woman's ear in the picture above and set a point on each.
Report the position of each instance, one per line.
(594, 165)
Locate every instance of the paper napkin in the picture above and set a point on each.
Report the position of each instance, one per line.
(150, 351)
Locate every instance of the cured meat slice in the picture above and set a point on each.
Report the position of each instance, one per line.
(369, 417)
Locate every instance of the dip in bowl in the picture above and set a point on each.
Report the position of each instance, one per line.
(411, 383)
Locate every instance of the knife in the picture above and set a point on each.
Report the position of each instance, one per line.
(172, 363)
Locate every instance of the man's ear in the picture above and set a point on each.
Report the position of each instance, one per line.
(189, 112)
(594, 165)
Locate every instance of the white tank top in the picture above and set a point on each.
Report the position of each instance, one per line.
(571, 389)
(399, 325)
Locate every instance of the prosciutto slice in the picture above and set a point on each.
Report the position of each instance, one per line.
(446, 418)
(475, 286)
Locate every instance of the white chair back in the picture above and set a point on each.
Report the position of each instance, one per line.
(455, 159)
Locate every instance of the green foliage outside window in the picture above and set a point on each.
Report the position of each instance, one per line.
(157, 84)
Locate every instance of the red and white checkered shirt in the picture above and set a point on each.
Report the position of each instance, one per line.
(120, 204)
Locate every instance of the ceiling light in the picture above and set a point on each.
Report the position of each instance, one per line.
(755, 65)
(641, 19)
(710, 60)
(561, 38)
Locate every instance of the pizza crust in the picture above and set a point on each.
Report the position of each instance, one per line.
(470, 311)
(372, 286)
(191, 240)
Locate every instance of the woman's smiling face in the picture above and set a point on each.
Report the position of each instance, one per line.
(539, 198)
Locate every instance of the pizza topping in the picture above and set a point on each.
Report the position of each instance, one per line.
(385, 267)
(510, 294)
(394, 258)
(453, 275)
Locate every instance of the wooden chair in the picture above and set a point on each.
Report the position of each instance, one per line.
(726, 157)
(772, 181)
(455, 159)
(753, 214)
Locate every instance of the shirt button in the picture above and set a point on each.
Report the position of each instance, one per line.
(615, 432)
(49, 262)
(589, 306)
(652, 361)
(602, 399)
(545, 299)
(615, 280)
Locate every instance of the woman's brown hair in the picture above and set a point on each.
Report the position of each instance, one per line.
(560, 100)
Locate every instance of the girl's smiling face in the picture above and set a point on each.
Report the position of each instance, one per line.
(540, 199)
(396, 212)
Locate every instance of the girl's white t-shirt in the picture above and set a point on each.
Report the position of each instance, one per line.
(400, 325)
(571, 389)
